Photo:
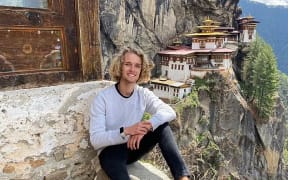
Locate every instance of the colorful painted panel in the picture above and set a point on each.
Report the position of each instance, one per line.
(26, 50)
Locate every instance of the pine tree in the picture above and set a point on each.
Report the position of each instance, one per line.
(261, 77)
(248, 72)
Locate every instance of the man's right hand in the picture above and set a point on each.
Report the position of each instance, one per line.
(141, 128)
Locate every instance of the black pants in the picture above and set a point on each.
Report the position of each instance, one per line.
(114, 159)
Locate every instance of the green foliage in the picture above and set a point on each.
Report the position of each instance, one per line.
(190, 101)
(212, 83)
(248, 69)
(285, 151)
(261, 77)
(209, 154)
(201, 84)
(283, 91)
(146, 116)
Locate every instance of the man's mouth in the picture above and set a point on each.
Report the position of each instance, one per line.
(131, 75)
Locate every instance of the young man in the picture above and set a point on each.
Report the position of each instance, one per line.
(116, 129)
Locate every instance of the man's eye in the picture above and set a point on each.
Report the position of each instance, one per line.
(138, 65)
(135, 65)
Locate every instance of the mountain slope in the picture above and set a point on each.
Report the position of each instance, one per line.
(272, 27)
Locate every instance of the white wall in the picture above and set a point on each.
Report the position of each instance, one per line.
(183, 92)
(171, 92)
(176, 74)
(210, 45)
(195, 45)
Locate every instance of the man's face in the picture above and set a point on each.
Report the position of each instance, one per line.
(131, 68)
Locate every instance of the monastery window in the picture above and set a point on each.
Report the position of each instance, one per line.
(219, 44)
(179, 67)
(172, 66)
(164, 88)
(218, 58)
(202, 44)
(182, 67)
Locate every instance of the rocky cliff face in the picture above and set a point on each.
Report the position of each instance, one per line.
(220, 137)
(152, 24)
(244, 147)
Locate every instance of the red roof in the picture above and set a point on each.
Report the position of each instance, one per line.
(191, 51)
(178, 47)
(177, 52)
(222, 50)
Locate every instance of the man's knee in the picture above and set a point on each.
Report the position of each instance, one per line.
(108, 161)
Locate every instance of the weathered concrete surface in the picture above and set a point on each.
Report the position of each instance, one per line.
(44, 132)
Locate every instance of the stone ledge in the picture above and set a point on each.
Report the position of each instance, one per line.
(138, 171)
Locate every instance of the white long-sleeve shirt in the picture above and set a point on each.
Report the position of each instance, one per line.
(110, 111)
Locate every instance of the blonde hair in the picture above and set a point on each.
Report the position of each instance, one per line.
(115, 70)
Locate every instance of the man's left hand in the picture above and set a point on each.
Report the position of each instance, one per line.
(134, 141)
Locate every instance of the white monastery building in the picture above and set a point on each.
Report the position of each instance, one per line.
(180, 64)
(247, 27)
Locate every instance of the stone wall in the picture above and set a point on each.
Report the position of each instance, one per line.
(44, 132)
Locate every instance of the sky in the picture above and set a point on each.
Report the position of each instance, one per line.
(273, 2)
